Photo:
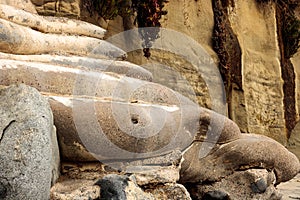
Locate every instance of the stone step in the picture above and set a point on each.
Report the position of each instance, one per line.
(18, 39)
(105, 130)
(81, 82)
(122, 105)
(126, 106)
(49, 24)
(83, 63)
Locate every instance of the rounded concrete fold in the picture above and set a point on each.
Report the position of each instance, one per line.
(249, 151)
(19, 39)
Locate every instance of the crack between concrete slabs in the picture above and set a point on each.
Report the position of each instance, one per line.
(5, 128)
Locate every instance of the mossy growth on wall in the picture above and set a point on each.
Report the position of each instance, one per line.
(109, 9)
(288, 29)
(148, 13)
(290, 25)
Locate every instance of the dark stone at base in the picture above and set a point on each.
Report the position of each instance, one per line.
(260, 186)
(3, 191)
(215, 195)
(113, 187)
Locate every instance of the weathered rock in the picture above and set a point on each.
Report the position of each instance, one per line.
(290, 190)
(250, 184)
(18, 39)
(296, 60)
(84, 171)
(255, 27)
(149, 182)
(75, 189)
(68, 8)
(249, 151)
(55, 157)
(26, 144)
(169, 119)
(215, 195)
(48, 24)
(124, 113)
(108, 127)
(122, 187)
(156, 175)
(170, 191)
(215, 128)
(79, 81)
(78, 181)
(21, 4)
(84, 63)
(294, 141)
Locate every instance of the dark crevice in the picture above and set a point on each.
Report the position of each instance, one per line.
(227, 47)
(6, 127)
(287, 69)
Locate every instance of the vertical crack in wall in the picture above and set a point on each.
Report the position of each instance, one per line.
(227, 47)
(287, 69)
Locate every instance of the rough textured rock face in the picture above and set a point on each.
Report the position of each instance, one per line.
(294, 141)
(75, 189)
(296, 60)
(21, 4)
(28, 154)
(93, 180)
(28, 41)
(68, 8)
(48, 24)
(123, 187)
(248, 184)
(255, 26)
(290, 189)
(230, 157)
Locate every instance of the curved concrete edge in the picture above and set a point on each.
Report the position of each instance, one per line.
(247, 152)
(49, 78)
(49, 24)
(119, 131)
(89, 64)
(18, 39)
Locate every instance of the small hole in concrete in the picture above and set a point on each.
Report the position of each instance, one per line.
(134, 119)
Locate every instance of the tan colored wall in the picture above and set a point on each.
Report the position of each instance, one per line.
(255, 26)
(70, 8)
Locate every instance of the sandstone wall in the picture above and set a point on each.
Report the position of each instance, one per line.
(294, 140)
(70, 8)
(255, 27)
